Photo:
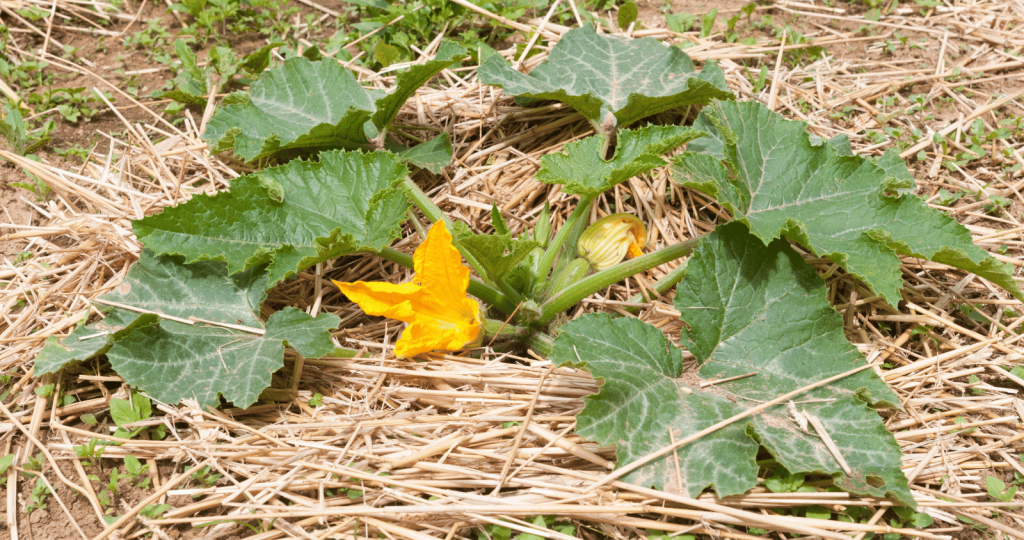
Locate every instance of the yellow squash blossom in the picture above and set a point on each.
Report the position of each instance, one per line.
(610, 239)
(435, 305)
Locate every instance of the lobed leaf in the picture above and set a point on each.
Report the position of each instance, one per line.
(770, 175)
(300, 105)
(412, 78)
(172, 360)
(748, 308)
(316, 105)
(88, 341)
(583, 171)
(291, 216)
(610, 78)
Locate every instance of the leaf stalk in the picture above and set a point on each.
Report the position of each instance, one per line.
(661, 286)
(500, 329)
(435, 214)
(575, 221)
(595, 282)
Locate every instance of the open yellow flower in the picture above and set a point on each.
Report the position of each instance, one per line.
(611, 239)
(435, 305)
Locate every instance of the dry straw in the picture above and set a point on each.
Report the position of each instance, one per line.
(469, 442)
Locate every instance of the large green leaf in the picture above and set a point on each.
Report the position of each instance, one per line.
(749, 308)
(316, 106)
(172, 360)
(611, 80)
(90, 340)
(409, 80)
(291, 216)
(583, 171)
(769, 174)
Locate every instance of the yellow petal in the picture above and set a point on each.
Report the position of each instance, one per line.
(439, 266)
(634, 250)
(444, 279)
(435, 305)
(383, 299)
(423, 336)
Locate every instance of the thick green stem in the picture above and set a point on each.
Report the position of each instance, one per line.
(513, 296)
(495, 328)
(395, 256)
(578, 215)
(662, 285)
(477, 288)
(416, 223)
(542, 344)
(423, 202)
(595, 282)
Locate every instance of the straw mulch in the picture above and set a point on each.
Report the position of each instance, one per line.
(468, 442)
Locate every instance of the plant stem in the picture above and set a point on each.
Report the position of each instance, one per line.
(395, 256)
(579, 214)
(595, 282)
(477, 288)
(423, 202)
(513, 296)
(542, 344)
(495, 328)
(434, 214)
(416, 223)
(661, 286)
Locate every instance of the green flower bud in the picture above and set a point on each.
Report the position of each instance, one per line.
(542, 229)
(576, 270)
(610, 239)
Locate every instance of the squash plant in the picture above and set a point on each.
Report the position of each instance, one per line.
(749, 302)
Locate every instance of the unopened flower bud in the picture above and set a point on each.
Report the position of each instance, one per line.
(542, 229)
(610, 239)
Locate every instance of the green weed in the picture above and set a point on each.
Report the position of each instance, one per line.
(89, 452)
(37, 499)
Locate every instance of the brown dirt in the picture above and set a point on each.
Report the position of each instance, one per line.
(18, 211)
(53, 523)
(652, 13)
(107, 57)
